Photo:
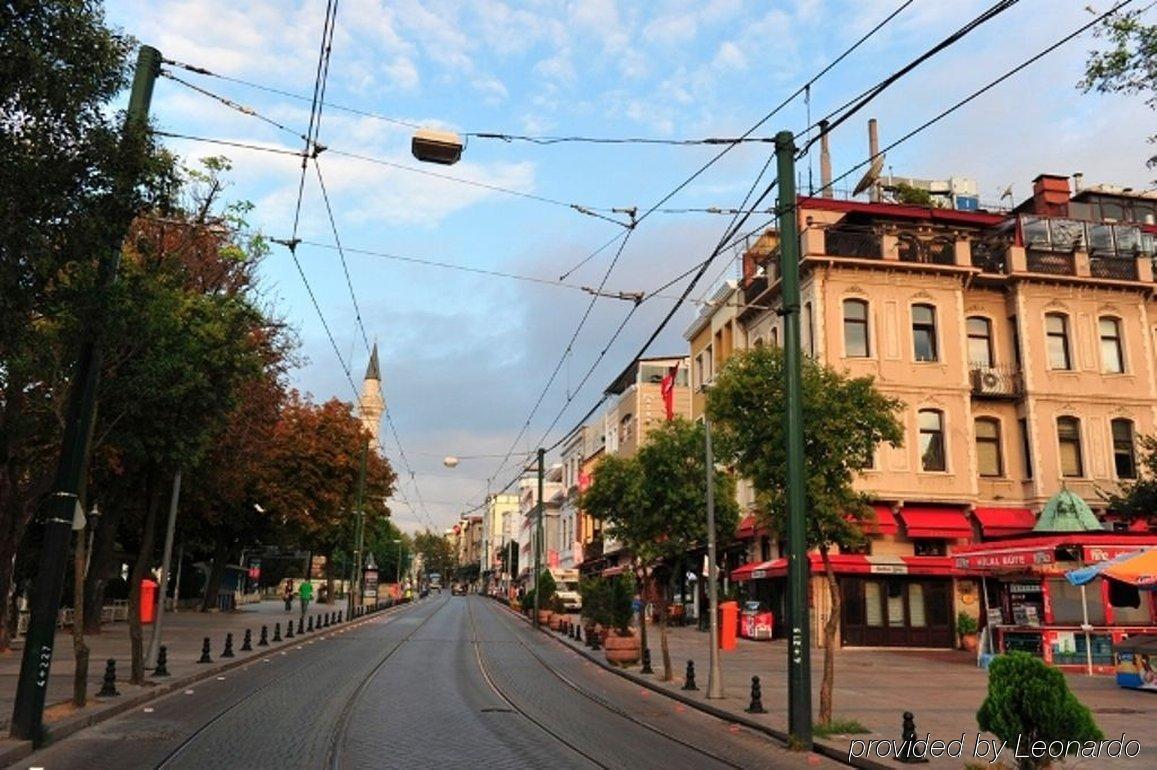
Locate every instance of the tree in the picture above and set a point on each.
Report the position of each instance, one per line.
(1029, 701)
(844, 420)
(913, 196)
(63, 198)
(656, 503)
(436, 552)
(1137, 500)
(1129, 64)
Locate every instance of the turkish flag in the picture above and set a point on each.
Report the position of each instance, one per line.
(667, 390)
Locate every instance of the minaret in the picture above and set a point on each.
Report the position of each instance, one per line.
(371, 404)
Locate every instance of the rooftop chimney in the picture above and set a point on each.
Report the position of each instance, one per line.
(825, 162)
(873, 151)
(1078, 181)
(1050, 195)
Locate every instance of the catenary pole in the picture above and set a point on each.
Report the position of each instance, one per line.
(63, 504)
(714, 674)
(166, 561)
(538, 534)
(355, 594)
(799, 643)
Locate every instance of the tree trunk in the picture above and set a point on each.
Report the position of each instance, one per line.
(666, 652)
(16, 508)
(643, 592)
(140, 570)
(7, 587)
(213, 585)
(101, 565)
(329, 578)
(79, 646)
(830, 628)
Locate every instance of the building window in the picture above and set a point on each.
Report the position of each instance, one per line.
(924, 332)
(1069, 439)
(809, 329)
(1057, 331)
(856, 343)
(1112, 353)
(758, 342)
(932, 440)
(1124, 457)
(989, 461)
(775, 337)
(980, 342)
(1024, 446)
(931, 547)
(1012, 324)
(703, 366)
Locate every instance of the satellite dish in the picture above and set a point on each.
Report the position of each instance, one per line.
(871, 176)
(1007, 193)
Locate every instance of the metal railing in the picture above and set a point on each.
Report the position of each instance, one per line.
(1121, 268)
(995, 381)
(990, 257)
(1051, 262)
(845, 243)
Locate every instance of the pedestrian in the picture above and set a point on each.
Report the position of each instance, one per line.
(306, 594)
(288, 595)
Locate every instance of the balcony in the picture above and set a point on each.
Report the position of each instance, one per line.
(935, 250)
(1051, 262)
(995, 382)
(991, 256)
(1120, 268)
(859, 244)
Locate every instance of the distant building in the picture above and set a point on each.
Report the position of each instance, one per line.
(371, 404)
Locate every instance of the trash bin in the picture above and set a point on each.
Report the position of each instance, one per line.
(729, 625)
(755, 621)
(148, 600)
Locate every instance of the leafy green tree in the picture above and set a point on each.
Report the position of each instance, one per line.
(844, 420)
(914, 196)
(436, 552)
(1128, 64)
(1028, 701)
(656, 503)
(1137, 500)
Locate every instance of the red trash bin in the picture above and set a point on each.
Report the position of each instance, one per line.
(148, 600)
(729, 625)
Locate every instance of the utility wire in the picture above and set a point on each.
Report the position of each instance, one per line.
(341, 253)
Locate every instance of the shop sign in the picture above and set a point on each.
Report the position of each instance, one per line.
(889, 569)
(758, 573)
(1097, 553)
(1005, 560)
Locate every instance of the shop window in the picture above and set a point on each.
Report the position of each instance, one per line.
(853, 602)
(924, 332)
(1067, 604)
(895, 588)
(937, 603)
(980, 342)
(1112, 352)
(1130, 606)
(1069, 440)
(873, 604)
(856, 342)
(1124, 454)
(1057, 333)
(932, 547)
(916, 616)
(989, 459)
(931, 424)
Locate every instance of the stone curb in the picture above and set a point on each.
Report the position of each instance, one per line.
(56, 731)
(819, 746)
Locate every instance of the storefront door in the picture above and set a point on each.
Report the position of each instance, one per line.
(896, 612)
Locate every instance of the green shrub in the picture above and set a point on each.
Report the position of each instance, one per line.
(1028, 701)
(966, 624)
(596, 600)
(621, 596)
(546, 588)
(528, 602)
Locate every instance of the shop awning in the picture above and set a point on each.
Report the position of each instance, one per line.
(746, 526)
(885, 523)
(612, 571)
(1003, 522)
(947, 523)
(1137, 568)
(1006, 559)
(852, 564)
(754, 570)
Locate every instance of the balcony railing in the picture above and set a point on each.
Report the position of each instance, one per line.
(990, 256)
(927, 251)
(846, 243)
(1121, 268)
(1051, 262)
(995, 381)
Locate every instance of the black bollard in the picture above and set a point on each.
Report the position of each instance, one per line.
(595, 640)
(109, 688)
(228, 651)
(327, 615)
(309, 625)
(756, 706)
(289, 630)
(205, 652)
(689, 678)
(647, 662)
(162, 668)
(277, 631)
(264, 640)
(906, 752)
(301, 625)
(247, 641)
(339, 616)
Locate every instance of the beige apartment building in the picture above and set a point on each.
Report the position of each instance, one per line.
(1022, 345)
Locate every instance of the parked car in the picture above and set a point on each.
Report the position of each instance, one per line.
(458, 590)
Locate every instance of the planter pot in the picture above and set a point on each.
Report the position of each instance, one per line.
(556, 622)
(517, 607)
(544, 616)
(622, 650)
(969, 642)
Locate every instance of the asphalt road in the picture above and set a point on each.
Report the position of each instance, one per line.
(449, 682)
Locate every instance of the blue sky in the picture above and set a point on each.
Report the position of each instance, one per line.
(465, 355)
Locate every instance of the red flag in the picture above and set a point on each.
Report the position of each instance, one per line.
(667, 390)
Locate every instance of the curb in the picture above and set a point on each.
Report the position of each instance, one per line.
(64, 728)
(819, 746)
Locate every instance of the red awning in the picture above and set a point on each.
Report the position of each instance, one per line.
(754, 570)
(746, 526)
(1006, 559)
(852, 564)
(612, 571)
(948, 523)
(1002, 522)
(885, 523)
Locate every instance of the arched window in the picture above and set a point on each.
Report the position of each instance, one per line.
(1057, 333)
(1069, 441)
(856, 341)
(989, 458)
(1124, 454)
(1112, 352)
(924, 332)
(931, 425)
(980, 342)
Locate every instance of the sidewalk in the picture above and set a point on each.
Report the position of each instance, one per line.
(182, 634)
(943, 688)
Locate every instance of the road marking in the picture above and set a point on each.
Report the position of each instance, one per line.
(148, 709)
(188, 692)
(220, 679)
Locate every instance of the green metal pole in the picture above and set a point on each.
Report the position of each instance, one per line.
(72, 467)
(799, 643)
(538, 533)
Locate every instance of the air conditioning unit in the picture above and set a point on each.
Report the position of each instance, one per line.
(988, 381)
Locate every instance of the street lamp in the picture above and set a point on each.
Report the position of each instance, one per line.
(442, 147)
(398, 569)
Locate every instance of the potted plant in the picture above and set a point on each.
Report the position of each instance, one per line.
(558, 613)
(622, 643)
(545, 591)
(528, 602)
(594, 610)
(966, 629)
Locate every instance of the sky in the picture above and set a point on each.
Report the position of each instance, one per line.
(465, 355)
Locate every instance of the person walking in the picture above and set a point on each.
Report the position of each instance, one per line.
(288, 596)
(306, 594)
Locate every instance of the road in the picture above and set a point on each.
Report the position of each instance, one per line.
(447, 682)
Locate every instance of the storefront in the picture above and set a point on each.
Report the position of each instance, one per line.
(888, 601)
